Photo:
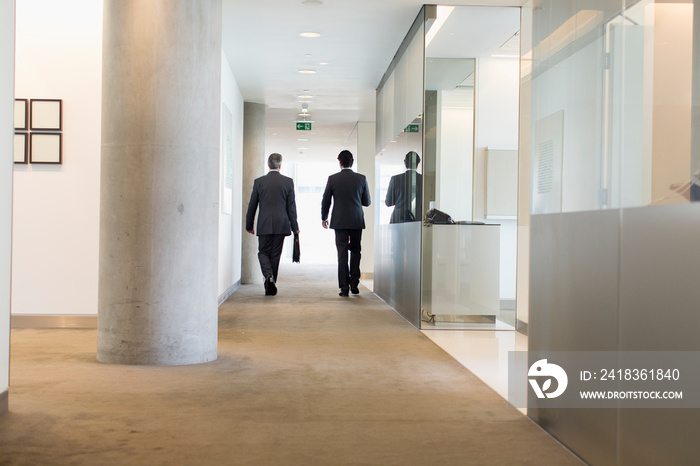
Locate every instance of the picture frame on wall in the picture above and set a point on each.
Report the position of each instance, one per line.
(21, 148)
(21, 114)
(46, 115)
(46, 148)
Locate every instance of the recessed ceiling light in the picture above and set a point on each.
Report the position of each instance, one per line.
(304, 114)
(302, 140)
(312, 2)
(305, 96)
(310, 34)
(307, 71)
(308, 55)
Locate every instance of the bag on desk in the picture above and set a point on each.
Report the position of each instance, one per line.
(438, 217)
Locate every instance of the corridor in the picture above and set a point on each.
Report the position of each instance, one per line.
(302, 378)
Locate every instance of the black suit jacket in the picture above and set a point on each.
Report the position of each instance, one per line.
(278, 210)
(405, 193)
(349, 192)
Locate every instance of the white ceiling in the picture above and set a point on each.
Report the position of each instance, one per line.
(358, 41)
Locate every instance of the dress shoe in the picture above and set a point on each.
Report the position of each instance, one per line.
(344, 291)
(354, 286)
(271, 288)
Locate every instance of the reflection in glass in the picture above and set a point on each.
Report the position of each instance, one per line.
(399, 208)
(405, 192)
(629, 69)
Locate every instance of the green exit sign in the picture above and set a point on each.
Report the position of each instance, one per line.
(303, 126)
(412, 129)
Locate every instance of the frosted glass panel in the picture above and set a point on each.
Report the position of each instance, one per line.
(464, 273)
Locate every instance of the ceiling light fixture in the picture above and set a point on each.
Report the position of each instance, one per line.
(307, 71)
(312, 2)
(323, 63)
(310, 34)
(443, 12)
(305, 96)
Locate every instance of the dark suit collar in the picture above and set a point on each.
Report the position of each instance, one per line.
(274, 171)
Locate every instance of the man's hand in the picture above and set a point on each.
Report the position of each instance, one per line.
(252, 232)
(296, 232)
(325, 224)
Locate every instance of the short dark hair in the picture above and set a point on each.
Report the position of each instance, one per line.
(346, 159)
(274, 161)
(412, 160)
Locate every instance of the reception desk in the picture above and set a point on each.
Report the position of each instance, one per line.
(461, 271)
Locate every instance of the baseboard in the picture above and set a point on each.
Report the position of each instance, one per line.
(226, 294)
(521, 326)
(367, 276)
(50, 321)
(4, 402)
(81, 321)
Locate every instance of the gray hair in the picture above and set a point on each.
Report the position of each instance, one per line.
(274, 161)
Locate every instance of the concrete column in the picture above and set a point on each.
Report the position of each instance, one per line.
(159, 182)
(7, 93)
(254, 163)
(366, 135)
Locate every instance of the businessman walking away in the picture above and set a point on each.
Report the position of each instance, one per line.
(348, 192)
(274, 193)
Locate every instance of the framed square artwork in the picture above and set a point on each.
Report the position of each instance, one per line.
(21, 114)
(46, 114)
(46, 148)
(21, 148)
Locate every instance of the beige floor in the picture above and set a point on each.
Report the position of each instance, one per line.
(303, 378)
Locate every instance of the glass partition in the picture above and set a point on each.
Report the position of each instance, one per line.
(398, 175)
(629, 69)
(470, 176)
(445, 240)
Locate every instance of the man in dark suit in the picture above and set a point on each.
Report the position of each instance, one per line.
(349, 192)
(277, 218)
(405, 192)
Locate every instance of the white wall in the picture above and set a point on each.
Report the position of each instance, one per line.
(497, 104)
(455, 160)
(7, 51)
(230, 224)
(366, 134)
(56, 208)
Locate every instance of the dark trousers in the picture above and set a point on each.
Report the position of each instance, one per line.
(348, 244)
(269, 253)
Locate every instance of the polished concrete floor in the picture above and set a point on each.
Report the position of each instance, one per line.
(302, 378)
